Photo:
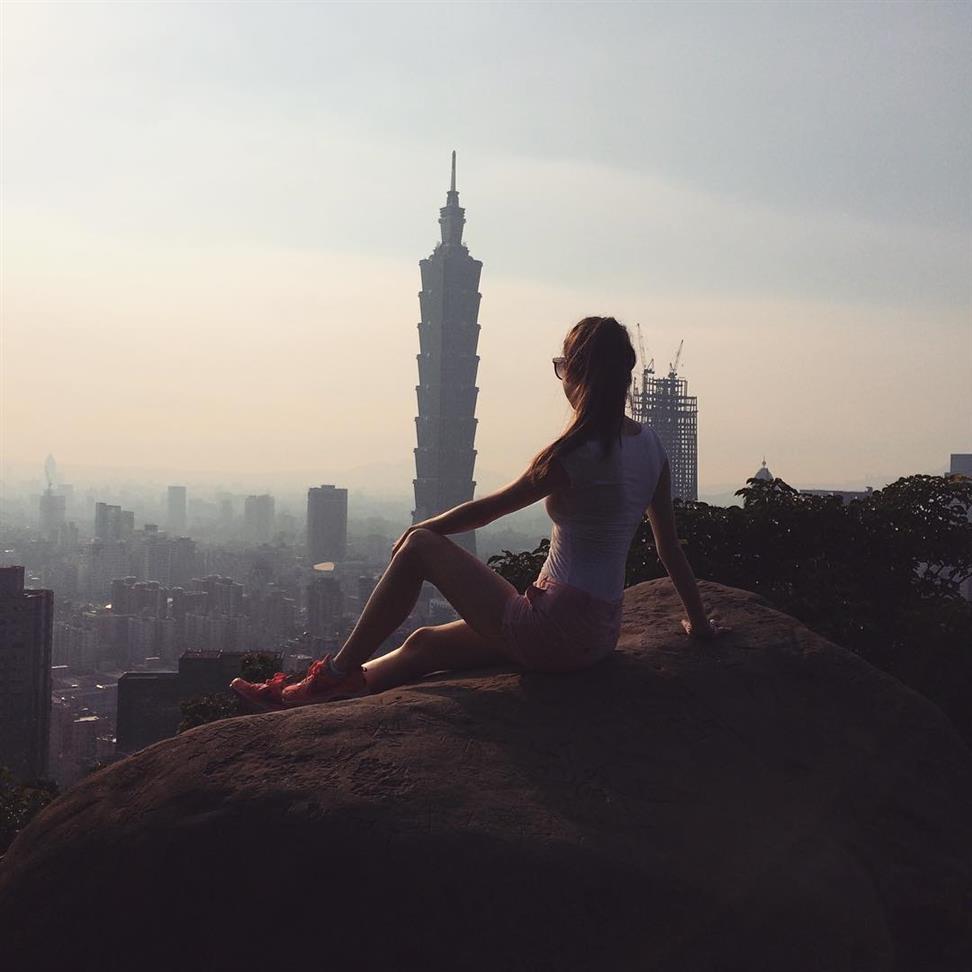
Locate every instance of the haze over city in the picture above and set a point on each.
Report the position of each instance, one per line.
(213, 216)
(486, 485)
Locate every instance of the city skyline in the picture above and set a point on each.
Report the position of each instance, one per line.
(246, 353)
(210, 270)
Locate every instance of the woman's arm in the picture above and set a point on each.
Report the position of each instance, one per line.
(522, 492)
(661, 515)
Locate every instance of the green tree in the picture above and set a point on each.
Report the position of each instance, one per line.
(202, 709)
(258, 666)
(520, 569)
(19, 802)
(255, 666)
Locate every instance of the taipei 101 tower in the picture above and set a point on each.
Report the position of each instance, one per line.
(447, 363)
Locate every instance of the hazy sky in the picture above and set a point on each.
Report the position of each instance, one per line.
(213, 215)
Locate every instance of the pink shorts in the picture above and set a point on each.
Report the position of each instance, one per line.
(555, 627)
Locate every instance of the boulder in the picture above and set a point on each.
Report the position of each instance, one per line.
(768, 801)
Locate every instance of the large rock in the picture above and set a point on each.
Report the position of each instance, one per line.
(765, 802)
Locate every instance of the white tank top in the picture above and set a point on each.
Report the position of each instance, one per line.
(595, 518)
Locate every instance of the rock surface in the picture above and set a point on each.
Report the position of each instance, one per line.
(765, 802)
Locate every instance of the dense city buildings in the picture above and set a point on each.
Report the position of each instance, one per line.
(168, 560)
(83, 709)
(182, 561)
(325, 608)
(149, 702)
(134, 600)
(447, 366)
(103, 561)
(26, 631)
(258, 518)
(226, 515)
(364, 588)
(52, 513)
(175, 519)
(327, 524)
(139, 614)
(146, 553)
(960, 464)
(112, 523)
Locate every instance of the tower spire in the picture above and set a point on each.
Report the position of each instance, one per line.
(452, 216)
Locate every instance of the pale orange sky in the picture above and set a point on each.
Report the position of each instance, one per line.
(210, 259)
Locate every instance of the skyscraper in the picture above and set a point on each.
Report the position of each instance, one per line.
(175, 521)
(447, 365)
(327, 524)
(52, 513)
(258, 518)
(26, 630)
(182, 560)
(112, 522)
(325, 604)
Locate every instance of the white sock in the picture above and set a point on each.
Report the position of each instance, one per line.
(333, 669)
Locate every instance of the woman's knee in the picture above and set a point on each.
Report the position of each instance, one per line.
(416, 648)
(421, 539)
(419, 636)
(418, 641)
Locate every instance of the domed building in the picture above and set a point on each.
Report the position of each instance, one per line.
(763, 472)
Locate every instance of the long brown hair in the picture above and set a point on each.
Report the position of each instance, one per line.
(599, 362)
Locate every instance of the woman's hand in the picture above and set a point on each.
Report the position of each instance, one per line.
(706, 630)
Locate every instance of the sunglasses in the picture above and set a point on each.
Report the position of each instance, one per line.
(560, 367)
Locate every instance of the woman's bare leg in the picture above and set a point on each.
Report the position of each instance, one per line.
(453, 647)
(478, 593)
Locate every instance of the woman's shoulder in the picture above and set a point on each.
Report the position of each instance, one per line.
(640, 432)
(581, 460)
(653, 440)
(580, 452)
(645, 437)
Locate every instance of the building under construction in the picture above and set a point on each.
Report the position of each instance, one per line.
(665, 405)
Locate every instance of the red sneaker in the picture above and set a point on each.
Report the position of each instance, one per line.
(319, 685)
(261, 695)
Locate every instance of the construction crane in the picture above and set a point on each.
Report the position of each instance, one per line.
(637, 387)
(650, 367)
(673, 368)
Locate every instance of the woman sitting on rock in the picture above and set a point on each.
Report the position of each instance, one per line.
(599, 478)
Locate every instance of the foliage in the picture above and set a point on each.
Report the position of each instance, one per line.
(207, 708)
(878, 575)
(258, 666)
(255, 666)
(19, 802)
(520, 569)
